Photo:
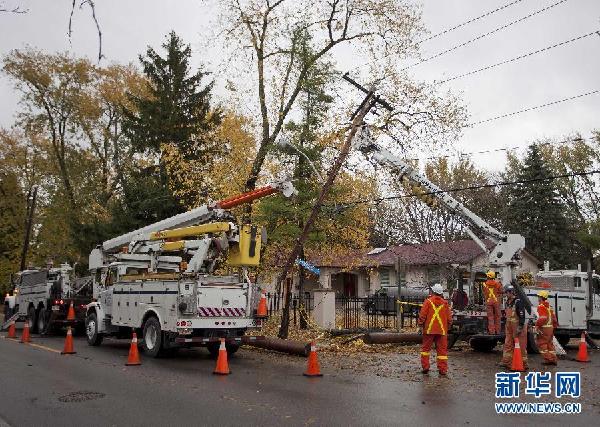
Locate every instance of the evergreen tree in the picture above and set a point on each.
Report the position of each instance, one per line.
(535, 210)
(177, 108)
(175, 112)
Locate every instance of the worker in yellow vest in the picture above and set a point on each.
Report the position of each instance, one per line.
(545, 329)
(492, 290)
(435, 318)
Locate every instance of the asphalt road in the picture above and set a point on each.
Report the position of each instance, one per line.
(39, 386)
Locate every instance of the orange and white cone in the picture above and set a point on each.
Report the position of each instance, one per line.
(134, 356)
(26, 337)
(12, 330)
(71, 312)
(517, 360)
(313, 369)
(68, 343)
(582, 354)
(222, 367)
(261, 311)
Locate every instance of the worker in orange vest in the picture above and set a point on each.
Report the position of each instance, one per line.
(492, 292)
(435, 318)
(515, 328)
(545, 329)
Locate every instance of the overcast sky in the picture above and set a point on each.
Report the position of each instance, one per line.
(129, 26)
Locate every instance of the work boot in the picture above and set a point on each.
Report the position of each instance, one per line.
(546, 362)
(425, 371)
(443, 373)
(501, 365)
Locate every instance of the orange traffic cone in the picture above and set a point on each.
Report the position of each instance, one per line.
(517, 361)
(71, 312)
(582, 354)
(313, 369)
(134, 355)
(12, 331)
(26, 337)
(261, 311)
(68, 343)
(222, 365)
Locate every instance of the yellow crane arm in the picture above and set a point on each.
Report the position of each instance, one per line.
(195, 230)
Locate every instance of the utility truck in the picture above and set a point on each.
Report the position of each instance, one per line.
(42, 296)
(504, 257)
(577, 302)
(162, 280)
(574, 295)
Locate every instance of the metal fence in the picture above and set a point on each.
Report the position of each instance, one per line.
(370, 313)
(276, 302)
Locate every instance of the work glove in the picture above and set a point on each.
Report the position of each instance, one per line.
(519, 330)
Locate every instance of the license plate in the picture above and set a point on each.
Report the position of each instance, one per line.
(55, 308)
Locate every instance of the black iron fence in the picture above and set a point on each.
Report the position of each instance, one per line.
(371, 312)
(276, 302)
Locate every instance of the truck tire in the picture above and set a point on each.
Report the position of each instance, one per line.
(152, 337)
(41, 320)
(32, 320)
(91, 329)
(483, 345)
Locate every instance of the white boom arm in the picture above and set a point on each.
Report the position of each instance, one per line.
(200, 215)
(504, 255)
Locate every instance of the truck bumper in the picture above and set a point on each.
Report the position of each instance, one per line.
(198, 341)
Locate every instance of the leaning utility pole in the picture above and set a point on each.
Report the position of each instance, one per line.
(357, 121)
(30, 210)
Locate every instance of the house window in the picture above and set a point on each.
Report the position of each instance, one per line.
(384, 277)
(577, 283)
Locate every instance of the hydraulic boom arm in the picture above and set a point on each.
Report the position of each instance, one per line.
(504, 255)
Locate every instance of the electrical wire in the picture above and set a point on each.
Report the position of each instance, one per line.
(471, 187)
(481, 36)
(495, 150)
(517, 58)
(537, 107)
(491, 12)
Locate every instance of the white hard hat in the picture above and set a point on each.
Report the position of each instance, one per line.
(437, 289)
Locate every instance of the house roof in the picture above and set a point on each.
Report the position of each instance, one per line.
(459, 252)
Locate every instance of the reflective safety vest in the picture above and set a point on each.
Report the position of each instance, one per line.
(489, 290)
(435, 316)
(546, 316)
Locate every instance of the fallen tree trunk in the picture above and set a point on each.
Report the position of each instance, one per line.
(391, 338)
(297, 348)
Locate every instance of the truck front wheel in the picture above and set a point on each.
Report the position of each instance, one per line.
(91, 329)
(152, 343)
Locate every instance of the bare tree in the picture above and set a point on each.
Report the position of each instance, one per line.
(266, 31)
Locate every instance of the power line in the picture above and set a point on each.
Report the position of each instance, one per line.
(474, 187)
(489, 33)
(526, 55)
(496, 150)
(537, 107)
(491, 12)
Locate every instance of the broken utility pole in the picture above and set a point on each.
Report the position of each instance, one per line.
(368, 102)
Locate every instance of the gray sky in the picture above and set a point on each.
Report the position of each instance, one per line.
(129, 26)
